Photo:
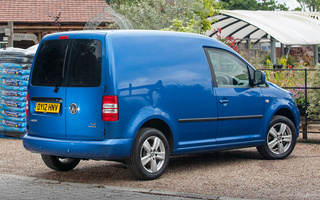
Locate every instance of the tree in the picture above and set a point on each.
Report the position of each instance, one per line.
(201, 19)
(271, 5)
(118, 2)
(239, 4)
(282, 7)
(154, 14)
(178, 15)
(253, 5)
(312, 5)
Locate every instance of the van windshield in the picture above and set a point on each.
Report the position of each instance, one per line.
(71, 63)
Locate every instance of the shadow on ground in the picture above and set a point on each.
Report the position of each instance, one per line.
(107, 172)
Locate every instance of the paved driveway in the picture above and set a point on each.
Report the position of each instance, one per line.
(21, 187)
(237, 173)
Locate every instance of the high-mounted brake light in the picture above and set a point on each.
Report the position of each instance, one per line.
(110, 108)
(63, 37)
(27, 105)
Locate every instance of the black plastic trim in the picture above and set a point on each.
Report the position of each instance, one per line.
(219, 118)
(197, 120)
(46, 99)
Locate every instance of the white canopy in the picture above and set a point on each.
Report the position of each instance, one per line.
(289, 28)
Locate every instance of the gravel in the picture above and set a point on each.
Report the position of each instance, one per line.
(240, 173)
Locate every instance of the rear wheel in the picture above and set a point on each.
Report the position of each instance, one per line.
(280, 140)
(150, 154)
(60, 163)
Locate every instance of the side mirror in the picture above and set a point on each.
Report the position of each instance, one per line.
(259, 78)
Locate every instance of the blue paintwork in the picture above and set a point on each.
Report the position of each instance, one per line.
(156, 75)
(109, 148)
(272, 93)
(242, 102)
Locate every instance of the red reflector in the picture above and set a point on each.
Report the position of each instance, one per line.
(27, 105)
(64, 37)
(110, 110)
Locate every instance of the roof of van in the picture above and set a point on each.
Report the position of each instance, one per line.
(135, 33)
(206, 41)
(127, 35)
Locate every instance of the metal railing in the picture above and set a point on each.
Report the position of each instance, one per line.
(304, 119)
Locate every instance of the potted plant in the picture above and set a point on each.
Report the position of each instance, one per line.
(300, 99)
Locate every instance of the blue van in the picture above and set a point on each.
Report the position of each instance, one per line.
(141, 96)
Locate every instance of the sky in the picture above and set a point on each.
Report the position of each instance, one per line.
(291, 3)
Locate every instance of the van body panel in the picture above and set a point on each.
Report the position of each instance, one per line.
(156, 75)
(110, 149)
(88, 99)
(46, 124)
(89, 124)
(165, 79)
(271, 94)
(247, 123)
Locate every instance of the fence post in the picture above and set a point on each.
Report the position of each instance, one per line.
(305, 101)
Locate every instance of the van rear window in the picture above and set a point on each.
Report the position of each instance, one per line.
(71, 63)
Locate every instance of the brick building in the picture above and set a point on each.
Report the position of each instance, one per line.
(41, 17)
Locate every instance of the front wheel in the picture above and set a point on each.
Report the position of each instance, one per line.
(150, 154)
(60, 163)
(281, 139)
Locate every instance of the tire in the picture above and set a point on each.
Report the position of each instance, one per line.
(150, 154)
(59, 163)
(280, 140)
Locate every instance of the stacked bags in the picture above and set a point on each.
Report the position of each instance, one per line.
(15, 67)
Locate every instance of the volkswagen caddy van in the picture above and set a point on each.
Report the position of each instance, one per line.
(141, 96)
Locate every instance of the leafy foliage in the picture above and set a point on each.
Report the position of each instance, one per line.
(239, 4)
(312, 5)
(253, 5)
(177, 15)
(314, 95)
(298, 94)
(230, 41)
(154, 14)
(200, 19)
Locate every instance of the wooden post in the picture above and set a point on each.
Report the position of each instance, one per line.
(10, 37)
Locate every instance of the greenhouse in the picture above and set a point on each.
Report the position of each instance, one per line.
(285, 27)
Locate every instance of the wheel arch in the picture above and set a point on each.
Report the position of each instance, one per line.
(163, 127)
(286, 113)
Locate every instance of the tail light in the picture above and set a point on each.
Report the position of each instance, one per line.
(27, 105)
(110, 109)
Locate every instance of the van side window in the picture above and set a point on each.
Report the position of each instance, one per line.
(229, 70)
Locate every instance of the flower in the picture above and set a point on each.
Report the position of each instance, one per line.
(298, 94)
(283, 61)
(268, 62)
(229, 40)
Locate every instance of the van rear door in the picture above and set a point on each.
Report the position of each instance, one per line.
(84, 91)
(67, 74)
(47, 73)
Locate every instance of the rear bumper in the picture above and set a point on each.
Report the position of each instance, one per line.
(109, 149)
